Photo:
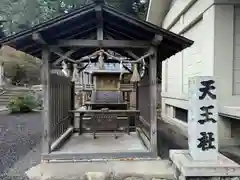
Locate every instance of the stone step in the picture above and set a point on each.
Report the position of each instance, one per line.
(5, 97)
(119, 170)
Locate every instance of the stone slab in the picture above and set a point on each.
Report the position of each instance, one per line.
(158, 169)
(223, 167)
(105, 143)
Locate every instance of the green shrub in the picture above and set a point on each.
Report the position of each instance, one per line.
(22, 104)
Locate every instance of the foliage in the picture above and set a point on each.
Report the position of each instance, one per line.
(20, 67)
(22, 14)
(22, 104)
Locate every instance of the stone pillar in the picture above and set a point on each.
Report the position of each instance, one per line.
(202, 159)
(202, 119)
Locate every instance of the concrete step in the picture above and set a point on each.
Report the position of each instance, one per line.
(5, 97)
(124, 170)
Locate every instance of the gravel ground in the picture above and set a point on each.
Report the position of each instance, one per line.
(20, 137)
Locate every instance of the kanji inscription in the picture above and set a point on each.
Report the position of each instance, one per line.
(202, 124)
(206, 114)
(206, 90)
(206, 141)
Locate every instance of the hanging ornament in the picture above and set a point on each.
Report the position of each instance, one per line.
(101, 60)
(75, 75)
(142, 71)
(135, 76)
(121, 70)
(65, 69)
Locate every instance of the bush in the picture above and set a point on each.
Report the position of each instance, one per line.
(22, 104)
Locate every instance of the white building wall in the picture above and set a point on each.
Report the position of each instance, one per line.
(193, 24)
(211, 24)
(236, 59)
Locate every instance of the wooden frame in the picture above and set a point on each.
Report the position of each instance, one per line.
(45, 71)
(125, 45)
(153, 100)
(112, 29)
(47, 148)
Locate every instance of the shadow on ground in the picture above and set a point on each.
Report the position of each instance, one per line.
(169, 137)
(19, 134)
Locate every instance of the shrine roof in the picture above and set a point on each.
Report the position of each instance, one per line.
(82, 23)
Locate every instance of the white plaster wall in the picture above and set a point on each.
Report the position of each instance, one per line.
(157, 11)
(236, 59)
(223, 54)
(216, 51)
(196, 24)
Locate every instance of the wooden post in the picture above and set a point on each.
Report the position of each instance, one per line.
(1, 74)
(72, 103)
(45, 76)
(153, 100)
(137, 93)
(72, 107)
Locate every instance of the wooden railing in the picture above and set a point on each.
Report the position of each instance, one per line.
(87, 119)
(144, 126)
(59, 104)
(127, 87)
(89, 87)
(84, 87)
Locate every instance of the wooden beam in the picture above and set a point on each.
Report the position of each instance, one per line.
(157, 39)
(130, 53)
(59, 60)
(153, 99)
(103, 43)
(99, 15)
(45, 77)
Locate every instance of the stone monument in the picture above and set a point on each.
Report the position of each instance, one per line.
(202, 160)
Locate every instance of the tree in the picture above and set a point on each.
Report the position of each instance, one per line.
(20, 67)
(23, 14)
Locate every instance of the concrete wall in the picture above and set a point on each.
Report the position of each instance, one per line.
(236, 59)
(214, 26)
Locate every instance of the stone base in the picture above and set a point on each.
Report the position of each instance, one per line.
(108, 170)
(186, 168)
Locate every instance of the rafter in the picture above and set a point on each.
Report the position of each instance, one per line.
(130, 53)
(76, 28)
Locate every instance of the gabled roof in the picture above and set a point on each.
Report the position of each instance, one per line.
(82, 23)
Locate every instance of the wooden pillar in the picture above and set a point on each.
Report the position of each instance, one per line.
(1, 74)
(137, 93)
(45, 76)
(72, 100)
(72, 106)
(137, 96)
(153, 100)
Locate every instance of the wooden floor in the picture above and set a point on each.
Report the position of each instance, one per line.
(105, 143)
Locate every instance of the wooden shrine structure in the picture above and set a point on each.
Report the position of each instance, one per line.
(82, 36)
